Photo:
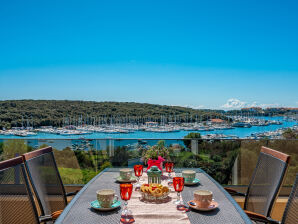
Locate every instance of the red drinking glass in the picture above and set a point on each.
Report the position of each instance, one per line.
(138, 172)
(125, 192)
(169, 168)
(178, 183)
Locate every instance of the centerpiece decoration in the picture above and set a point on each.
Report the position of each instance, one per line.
(156, 155)
(154, 175)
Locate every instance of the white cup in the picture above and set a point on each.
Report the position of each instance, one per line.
(203, 198)
(106, 197)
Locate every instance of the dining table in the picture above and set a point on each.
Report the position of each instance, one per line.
(79, 210)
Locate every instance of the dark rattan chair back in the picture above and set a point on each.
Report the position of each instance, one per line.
(266, 181)
(291, 212)
(45, 180)
(16, 199)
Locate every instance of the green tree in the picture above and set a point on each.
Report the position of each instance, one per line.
(194, 135)
(290, 134)
(120, 157)
(54, 112)
(13, 148)
(1, 148)
(153, 152)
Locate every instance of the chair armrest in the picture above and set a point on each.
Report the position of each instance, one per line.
(45, 218)
(233, 192)
(260, 218)
(56, 214)
(273, 221)
(72, 193)
(52, 217)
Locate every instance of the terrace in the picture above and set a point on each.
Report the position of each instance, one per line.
(230, 162)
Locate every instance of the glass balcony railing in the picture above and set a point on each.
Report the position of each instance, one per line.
(230, 162)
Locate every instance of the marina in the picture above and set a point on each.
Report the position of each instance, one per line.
(241, 127)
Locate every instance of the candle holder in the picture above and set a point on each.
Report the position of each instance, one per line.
(154, 175)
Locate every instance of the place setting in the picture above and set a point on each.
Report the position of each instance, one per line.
(190, 177)
(107, 200)
(126, 176)
(203, 201)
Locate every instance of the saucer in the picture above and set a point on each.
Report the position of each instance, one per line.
(96, 205)
(132, 179)
(213, 205)
(195, 181)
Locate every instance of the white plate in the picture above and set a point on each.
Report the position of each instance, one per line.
(132, 179)
(195, 181)
(212, 206)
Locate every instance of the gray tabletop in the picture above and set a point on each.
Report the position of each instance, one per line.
(79, 210)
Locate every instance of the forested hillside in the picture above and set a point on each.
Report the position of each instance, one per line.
(36, 113)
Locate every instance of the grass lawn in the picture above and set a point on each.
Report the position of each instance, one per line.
(76, 176)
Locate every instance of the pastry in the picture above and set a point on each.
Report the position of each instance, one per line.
(157, 192)
(165, 189)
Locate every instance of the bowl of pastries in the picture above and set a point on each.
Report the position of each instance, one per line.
(154, 191)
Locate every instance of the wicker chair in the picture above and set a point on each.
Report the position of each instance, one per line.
(265, 183)
(46, 182)
(16, 199)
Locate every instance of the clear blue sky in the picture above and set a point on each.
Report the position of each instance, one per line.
(203, 54)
